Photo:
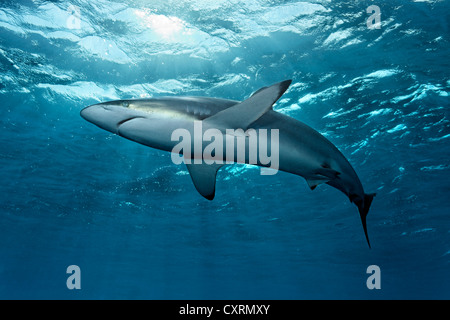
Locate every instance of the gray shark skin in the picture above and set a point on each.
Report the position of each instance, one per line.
(302, 150)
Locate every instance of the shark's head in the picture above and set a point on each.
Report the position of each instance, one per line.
(150, 122)
(110, 115)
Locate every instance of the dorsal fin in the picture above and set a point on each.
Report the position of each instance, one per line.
(242, 115)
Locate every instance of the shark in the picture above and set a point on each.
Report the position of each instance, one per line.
(300, 149)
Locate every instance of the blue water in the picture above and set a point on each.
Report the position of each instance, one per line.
(73, 194)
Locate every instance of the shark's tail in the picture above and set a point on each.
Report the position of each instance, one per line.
(363, 208)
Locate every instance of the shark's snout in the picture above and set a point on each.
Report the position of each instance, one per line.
(107, 116)
(89, 113)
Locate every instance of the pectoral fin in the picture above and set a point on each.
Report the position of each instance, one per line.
(204, 178)
(242, 115)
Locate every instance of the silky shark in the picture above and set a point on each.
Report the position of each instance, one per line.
(302, 150)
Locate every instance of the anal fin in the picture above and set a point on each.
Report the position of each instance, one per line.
(313, 183)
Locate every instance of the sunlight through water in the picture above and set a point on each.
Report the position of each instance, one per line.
(167, 27)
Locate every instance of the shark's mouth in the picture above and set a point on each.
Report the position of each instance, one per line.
(126, 120)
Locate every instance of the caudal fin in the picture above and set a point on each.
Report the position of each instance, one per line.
(363, 208)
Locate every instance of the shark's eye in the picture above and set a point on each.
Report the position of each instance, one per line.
(125, 104)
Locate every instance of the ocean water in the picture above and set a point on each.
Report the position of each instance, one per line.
(131, 220)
